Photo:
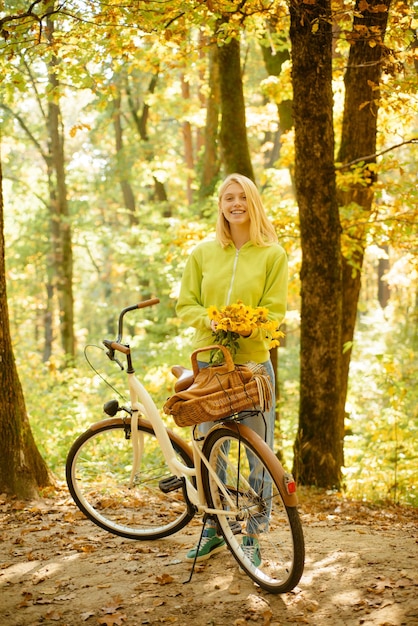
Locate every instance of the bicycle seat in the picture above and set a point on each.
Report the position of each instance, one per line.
(185, 377)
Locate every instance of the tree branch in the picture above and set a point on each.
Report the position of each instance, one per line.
(21, 16)
(372, 157)
(30, 135)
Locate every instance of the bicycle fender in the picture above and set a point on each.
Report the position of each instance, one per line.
(290, 499)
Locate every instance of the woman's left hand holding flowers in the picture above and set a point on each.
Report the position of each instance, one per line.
(237, 320)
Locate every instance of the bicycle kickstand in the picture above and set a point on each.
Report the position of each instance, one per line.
(205, 519)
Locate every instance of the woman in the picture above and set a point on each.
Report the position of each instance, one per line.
(244, 262)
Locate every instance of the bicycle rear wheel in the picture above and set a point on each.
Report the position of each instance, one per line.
(98, 473)
(270, 547)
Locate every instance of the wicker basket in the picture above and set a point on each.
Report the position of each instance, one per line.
(216, 406)
(233, 388)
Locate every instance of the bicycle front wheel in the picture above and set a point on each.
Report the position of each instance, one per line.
(270, 546)
(98, 472)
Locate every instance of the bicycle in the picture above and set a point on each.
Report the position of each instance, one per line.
(135, 478)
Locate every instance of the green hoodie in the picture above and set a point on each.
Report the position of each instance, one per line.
(219, 276)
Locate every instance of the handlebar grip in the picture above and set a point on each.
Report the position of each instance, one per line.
(113, 345)
(145, 303)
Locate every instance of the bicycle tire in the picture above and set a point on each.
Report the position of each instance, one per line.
(98, 470)
(279, 531)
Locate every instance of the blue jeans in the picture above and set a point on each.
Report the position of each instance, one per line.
(263, 425)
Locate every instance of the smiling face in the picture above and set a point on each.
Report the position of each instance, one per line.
(233, 204)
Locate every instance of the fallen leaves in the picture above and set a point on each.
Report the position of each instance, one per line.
(115, 619)
(86, 615)
(59, 568)
(165, 579)
(53, 615)
(258, 609)
(382, 584)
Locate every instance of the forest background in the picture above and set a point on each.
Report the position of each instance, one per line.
(115, 134)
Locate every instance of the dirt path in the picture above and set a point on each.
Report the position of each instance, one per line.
(58, 568)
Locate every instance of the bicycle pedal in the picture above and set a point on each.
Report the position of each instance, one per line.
(171, 483)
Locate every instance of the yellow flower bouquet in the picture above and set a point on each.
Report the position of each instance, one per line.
(238, 319)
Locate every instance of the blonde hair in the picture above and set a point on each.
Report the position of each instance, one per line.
(262, 232)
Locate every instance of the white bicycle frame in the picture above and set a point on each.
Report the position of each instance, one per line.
(141, 402)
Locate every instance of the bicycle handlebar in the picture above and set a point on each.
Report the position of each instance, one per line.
(116, 345)
(140, 305)
(112, 345)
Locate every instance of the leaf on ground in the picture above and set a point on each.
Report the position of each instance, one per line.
(69, 596)
(85, 548)
(42, 600)
(27, 599)
(312, 606)
(165, 579)
(234, 589)
(86, 615)
(112, 607)
(382, 585)
(112, 620)
(54, 615)
(19, 505)
(405, 582)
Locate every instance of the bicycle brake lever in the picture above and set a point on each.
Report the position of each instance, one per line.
(111, 355)
(119, 363)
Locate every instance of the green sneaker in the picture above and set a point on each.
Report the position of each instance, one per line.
(251, 549)
(210, 544)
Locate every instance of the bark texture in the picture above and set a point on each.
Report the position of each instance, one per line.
(233, 135)
(122, 170)
(358, 141)
(22, 469)
(210, 158)
(319, 443)
(60, 217)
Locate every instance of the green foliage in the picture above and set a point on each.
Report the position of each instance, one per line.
(106, 53)
(60, 405)
(382, 419)
(381, 461)
(381, 457)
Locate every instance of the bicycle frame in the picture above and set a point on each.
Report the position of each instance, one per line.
(142, 402)
(229, 474)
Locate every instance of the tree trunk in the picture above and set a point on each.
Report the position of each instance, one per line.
(47, 321)
(61, 227)
(22, 469)
(187, 142)
(358, 141)
(233, 135)
(141, 121)
(210, 158)
(122, 169)
(319, 443)
(383, 289)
